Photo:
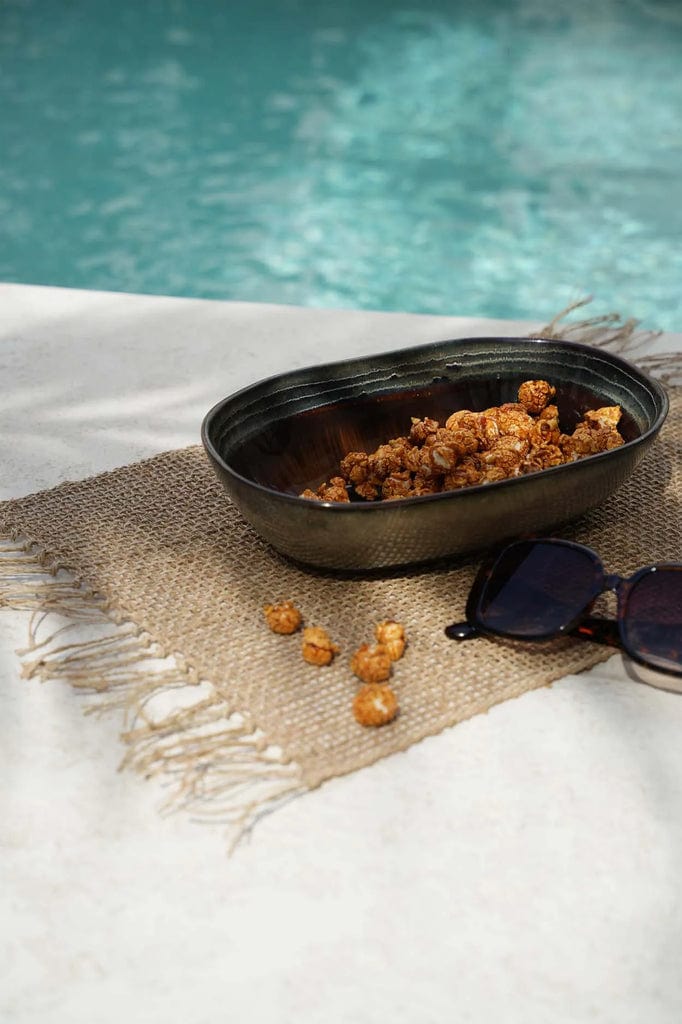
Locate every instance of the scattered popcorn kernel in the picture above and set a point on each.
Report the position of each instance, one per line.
(283, 618)
(375, 705)
(371, 664)
(317, 648)
(391, 635)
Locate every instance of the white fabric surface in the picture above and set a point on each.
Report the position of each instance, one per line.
(524, 867)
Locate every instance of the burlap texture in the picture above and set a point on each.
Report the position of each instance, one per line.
(162, 544)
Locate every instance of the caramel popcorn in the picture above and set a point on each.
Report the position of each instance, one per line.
(466, 474)
(283, 618)
(391, 635)
(387, 459)
(375, 704)
(472, 448)
(544, 457)
(535, 395)
(545, 429)
(603, 419)
(335, 490)
(371, 664)
(355, 468)
(510, 418)
(397, 485)
(421, 430)
(598, 432)
(464, 419)
(317, 648)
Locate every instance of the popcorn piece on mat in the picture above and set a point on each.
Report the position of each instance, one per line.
(371, 664)
(375, 704)
(391, 635)
(283, 618)
(317, 648)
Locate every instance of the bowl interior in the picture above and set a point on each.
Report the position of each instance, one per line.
(290, 432)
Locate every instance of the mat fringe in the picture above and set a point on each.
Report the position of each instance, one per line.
(620, 336)
(216, 765)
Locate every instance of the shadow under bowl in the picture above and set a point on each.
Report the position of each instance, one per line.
(273, 439)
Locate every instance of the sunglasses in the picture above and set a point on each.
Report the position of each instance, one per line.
(542, 589)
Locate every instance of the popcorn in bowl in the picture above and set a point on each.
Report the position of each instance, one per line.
(472, 448)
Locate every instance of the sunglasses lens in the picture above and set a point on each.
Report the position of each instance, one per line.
(536, 589)
(652, 622)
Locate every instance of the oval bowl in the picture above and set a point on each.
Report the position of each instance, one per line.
(271, 440)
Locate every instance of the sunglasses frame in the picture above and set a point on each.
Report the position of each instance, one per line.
(583, 625)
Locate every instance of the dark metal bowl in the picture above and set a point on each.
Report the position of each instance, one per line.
(273, 439)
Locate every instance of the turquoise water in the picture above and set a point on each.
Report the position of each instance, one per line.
(491, 158)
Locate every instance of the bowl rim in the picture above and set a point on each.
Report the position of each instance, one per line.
(376, 507)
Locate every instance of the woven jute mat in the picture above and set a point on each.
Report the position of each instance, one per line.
(147, 588)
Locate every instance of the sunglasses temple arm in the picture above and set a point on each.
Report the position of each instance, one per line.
(601, 631)
(461, 631)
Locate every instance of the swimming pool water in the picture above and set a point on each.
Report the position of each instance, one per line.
(485, 157)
